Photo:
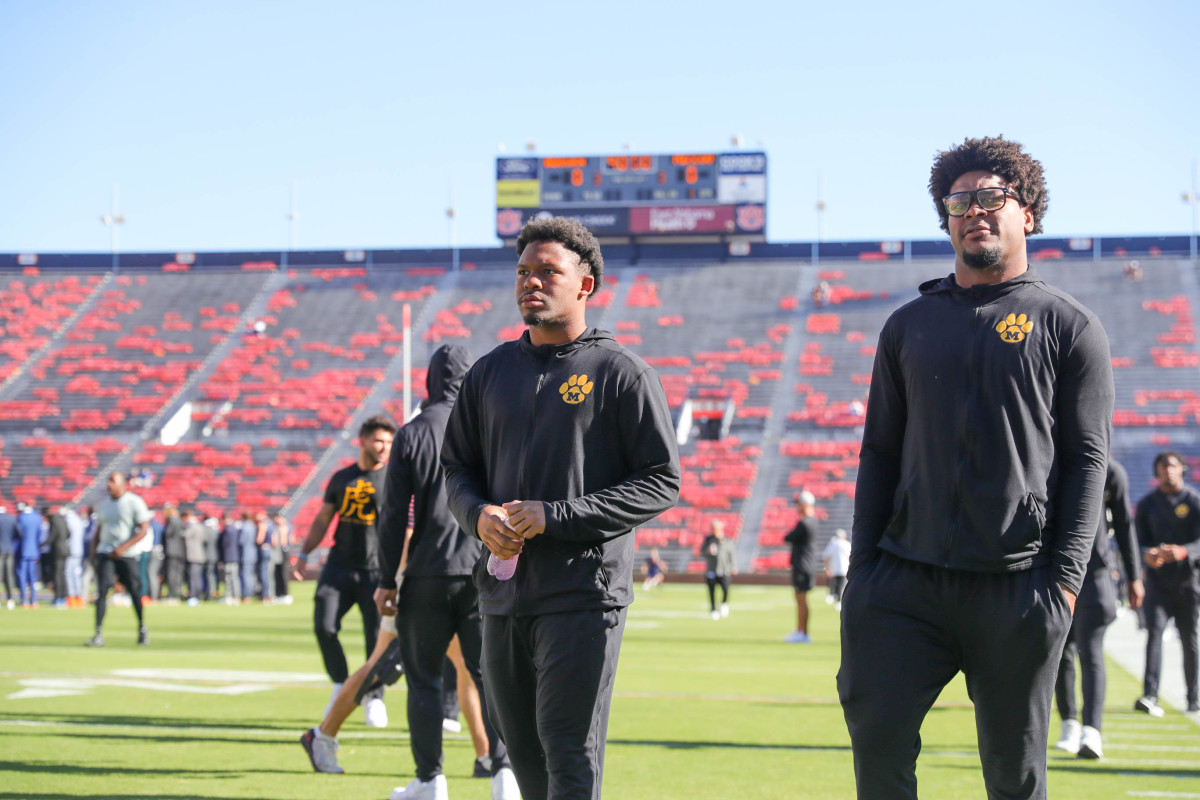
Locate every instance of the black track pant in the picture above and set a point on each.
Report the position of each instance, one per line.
(175, 569)
(909, 628)
(8, 573)
(108, 572)
(549, 683)
(432, 610)
(60, 576)
(1164, 602)
(1094, 612)
(338, 590)
(713, 583)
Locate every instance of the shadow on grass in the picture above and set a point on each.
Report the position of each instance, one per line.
(681, 745)
(60, 769)
(273, 724)
(156, 796)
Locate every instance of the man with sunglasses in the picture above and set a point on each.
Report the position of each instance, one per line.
(980, 486)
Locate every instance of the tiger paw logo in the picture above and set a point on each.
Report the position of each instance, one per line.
(1013, 328)
(576, 388)
(1181, 510)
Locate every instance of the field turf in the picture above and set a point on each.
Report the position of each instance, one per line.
(702, 708)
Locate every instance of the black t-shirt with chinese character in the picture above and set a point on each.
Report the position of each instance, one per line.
(358, 499)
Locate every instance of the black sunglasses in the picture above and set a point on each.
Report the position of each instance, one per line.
(989, 199)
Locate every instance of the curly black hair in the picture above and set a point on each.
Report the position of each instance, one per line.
(998, 156)
(571, 234)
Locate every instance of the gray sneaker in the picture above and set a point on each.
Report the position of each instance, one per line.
(322, 752)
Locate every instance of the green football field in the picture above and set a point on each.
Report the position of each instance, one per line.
(214, 706)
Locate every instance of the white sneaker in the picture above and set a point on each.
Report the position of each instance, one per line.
(337, 688)
(1149, 705)
(322, 751)
(376, 712)
(451, 725)
(829, 600)
(798, 637)
(1089, 743)
(504, 785)
(11, 604)
(724, 609)
(417, 790)
(715, 614)
(1069, 741)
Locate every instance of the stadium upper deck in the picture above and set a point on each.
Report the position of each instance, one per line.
(270, 366)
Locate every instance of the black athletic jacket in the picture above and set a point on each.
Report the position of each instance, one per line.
(438, 546)
(986, 438)
(1116, 499)
(583, 427)
(1172, 519)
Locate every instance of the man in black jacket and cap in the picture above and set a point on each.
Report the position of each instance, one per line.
(437, 598)
(559, 445)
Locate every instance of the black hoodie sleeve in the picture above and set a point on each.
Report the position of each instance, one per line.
(1118, 504)
(879, 458)
(647, 438)
(1084, 401)
(399, 491)
(462, 458)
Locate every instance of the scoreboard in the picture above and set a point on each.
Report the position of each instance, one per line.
(627, 195)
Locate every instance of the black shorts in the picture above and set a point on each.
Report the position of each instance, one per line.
(802, 581)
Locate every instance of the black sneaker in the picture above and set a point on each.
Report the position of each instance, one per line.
(143, 636)
(95, 641)
(483, 767)
(1193, 707)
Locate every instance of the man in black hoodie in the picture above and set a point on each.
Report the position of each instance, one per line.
(979, 490)
(560, 444)
(437, 598)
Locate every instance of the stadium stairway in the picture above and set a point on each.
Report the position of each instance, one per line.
(123, 460)
(770, 462)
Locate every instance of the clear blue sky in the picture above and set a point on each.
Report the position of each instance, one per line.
(205, 112)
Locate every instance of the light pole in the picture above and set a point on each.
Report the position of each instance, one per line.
(451, 215)
(112, 221)
(293, 216)
(1193, 199)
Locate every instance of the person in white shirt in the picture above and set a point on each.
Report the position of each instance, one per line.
(122, 535)
(837, 562)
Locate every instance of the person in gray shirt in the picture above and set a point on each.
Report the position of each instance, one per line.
(719, 567)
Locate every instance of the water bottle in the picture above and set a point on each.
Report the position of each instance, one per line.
(502, 569)
(499, 568)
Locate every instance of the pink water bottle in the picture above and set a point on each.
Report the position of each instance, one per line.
(499, 568)
(502, 569)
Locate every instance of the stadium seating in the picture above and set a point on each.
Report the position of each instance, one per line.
(283, 360)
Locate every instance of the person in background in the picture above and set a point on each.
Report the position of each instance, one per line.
(803, 539)
(154, 570)
(75, 549)
(718, 554)
(231, 558)
(837, 561)
(248, 546)
(279, 557)
(57, 546)
(212, 533)
(1168, 530)
(8, 555)
(1094, 612)
(655, 570)
(122, 535)
(193, 542)
(29, 551)
(174, 552)
(265, 539)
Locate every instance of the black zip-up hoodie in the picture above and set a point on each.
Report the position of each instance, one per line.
(583, 427)
(438, 548)
(986, 439)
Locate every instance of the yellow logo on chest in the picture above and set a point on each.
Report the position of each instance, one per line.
(1013, 328)
(575, 389)
(1181, 510)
